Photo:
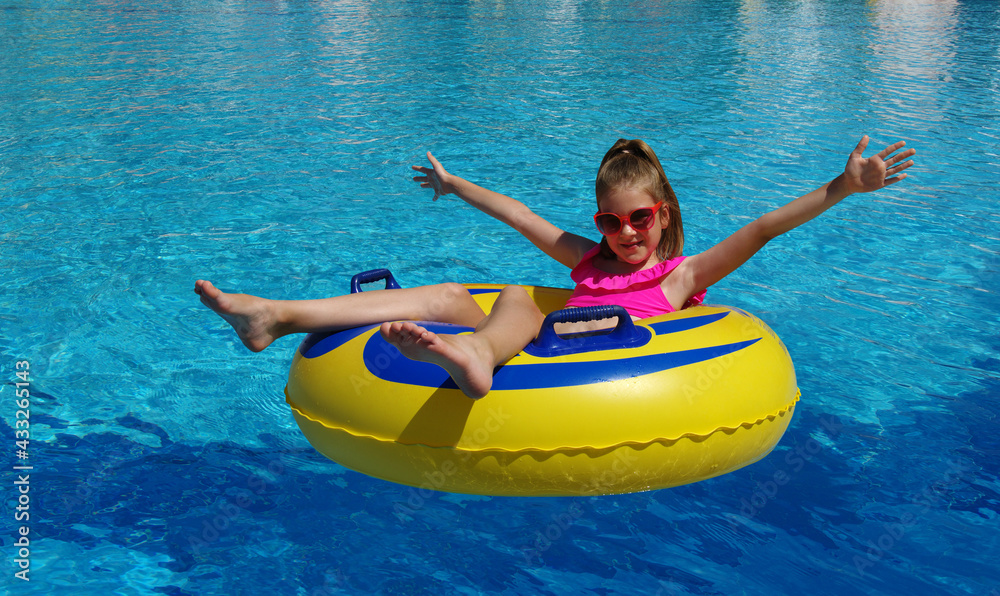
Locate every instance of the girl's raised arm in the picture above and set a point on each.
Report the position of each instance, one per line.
(562, 246)
(860, 175)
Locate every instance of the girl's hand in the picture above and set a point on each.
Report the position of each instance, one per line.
(872, 173)
(436, 177)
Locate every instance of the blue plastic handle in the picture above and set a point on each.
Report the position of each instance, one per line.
(624, 335)
(367, 277)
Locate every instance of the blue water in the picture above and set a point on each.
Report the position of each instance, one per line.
(267, 145)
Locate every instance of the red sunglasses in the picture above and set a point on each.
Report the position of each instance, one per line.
(640, 219)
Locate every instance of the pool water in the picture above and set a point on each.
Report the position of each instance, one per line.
(266, 146)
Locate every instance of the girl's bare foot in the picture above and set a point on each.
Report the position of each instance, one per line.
(253, 318)
(467, 359)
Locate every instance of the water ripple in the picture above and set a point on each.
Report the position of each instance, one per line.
(267, 146)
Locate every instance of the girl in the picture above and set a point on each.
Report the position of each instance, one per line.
(637, 264)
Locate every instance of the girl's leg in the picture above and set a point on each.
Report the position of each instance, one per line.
(259, 321)
(470, 359)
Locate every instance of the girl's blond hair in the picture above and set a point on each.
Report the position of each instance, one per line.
(632, 164)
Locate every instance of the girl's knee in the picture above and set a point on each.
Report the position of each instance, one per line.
(521, 297)
(451, 295)
(455, 291)
(515, 293)
(446, 298)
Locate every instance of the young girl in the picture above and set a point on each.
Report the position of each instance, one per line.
(637, 264)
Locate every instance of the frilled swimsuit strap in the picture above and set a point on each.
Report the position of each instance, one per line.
(639, 292)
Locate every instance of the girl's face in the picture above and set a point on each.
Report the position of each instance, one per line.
(632, 246)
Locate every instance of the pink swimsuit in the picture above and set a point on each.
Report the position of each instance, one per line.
(640, 292)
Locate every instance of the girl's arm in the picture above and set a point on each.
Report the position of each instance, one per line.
(860, 175)
(562, 246)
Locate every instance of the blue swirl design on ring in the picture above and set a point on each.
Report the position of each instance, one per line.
(385, 362)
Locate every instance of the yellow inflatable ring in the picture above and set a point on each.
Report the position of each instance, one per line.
(697, 394)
